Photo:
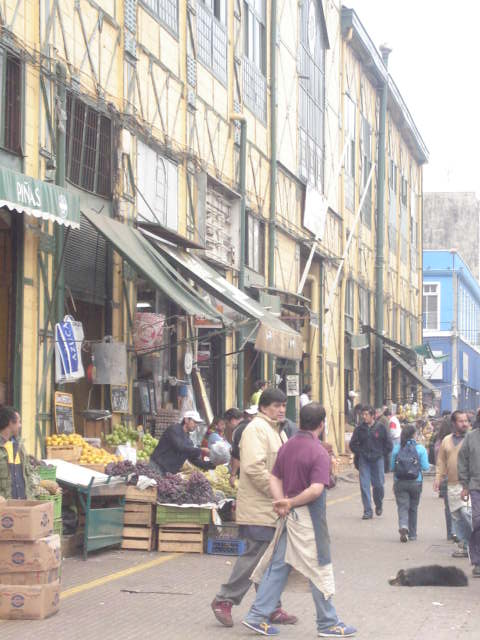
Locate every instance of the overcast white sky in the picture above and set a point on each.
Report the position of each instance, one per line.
(434, 63)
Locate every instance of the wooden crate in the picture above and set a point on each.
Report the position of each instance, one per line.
(67, 452)
(140, 538)
(94, 467)
(139, 526)
(181, 538)
(137, 495)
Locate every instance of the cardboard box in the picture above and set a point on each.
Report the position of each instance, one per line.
(30, 577)
(25, 519)
(29, 602)
(22, 557)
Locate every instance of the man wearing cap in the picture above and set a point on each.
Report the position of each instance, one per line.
(175, 446)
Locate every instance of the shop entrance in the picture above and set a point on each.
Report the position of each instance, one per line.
(7, 305)
(211, 362)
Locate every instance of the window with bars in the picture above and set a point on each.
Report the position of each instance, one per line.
(88, 147)
(413, 330)
(255, 57)
(11, 101)
(311, 76)
(255, 244)
(212, 36)
(403, 327)
(366, 153)
(394, 322)
(349, 116)
(165, 10)
(413, 230)
(431, 306)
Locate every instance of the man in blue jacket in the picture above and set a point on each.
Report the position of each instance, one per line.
(371, 442)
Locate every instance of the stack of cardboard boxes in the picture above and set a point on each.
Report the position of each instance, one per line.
(30, 560)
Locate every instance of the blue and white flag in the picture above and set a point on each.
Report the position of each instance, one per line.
(68, 350)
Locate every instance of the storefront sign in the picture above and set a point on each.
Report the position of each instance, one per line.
(21, 193)
(292, 385)
(64, 418)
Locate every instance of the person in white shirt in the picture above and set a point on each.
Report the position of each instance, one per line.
(394, 427)
(306, 396)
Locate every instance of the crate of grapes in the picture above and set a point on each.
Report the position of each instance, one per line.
(46, 472)
(171, 514)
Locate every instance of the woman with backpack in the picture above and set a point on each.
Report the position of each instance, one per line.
(408, 461)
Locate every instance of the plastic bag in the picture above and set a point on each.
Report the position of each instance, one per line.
(127, 452)
(220, 453)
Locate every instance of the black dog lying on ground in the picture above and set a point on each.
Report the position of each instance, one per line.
(431, 576)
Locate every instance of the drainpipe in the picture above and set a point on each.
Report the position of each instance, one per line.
(273, 158)
(379, 258)
(60, 181)
(241, 272)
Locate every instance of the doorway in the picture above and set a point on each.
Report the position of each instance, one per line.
(7, 306)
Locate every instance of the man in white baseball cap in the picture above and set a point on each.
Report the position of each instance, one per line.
(176, 446)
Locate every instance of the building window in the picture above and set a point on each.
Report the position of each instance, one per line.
(255, 244)
(212, 36)
(11, 84)
(413, 231)
(394, 321)
(220, 232)
(363, 306)
(350, 136)
(165, 10)
(157, 186)
(88, 147)
(431, 306)
(392, 217)
(255, 58)
(311, 95)
(403, 327)
(413, 331)
(366, 152)
(349, 305)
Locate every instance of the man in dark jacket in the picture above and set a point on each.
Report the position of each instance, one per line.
(371, 443)
(15, 470)
(175, 446)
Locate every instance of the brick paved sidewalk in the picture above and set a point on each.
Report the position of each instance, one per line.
(366, 554)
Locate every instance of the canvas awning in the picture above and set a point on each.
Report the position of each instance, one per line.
(144, 259)
(39, 199)
(273, 336)
(411, 371)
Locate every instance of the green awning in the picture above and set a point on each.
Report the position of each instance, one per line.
(140, 254)
(273, 335)
(39, 199)
(412, 372)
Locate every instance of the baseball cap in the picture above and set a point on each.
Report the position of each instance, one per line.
(193, 415)
(252, 410)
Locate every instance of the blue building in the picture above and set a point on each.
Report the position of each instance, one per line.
(451, 327)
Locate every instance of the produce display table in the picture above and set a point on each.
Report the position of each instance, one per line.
(103, 524)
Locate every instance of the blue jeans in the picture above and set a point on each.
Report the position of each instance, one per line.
(462, 524)
(371, 473)
(272, 585)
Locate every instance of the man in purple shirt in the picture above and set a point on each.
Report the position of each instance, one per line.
(297, 482)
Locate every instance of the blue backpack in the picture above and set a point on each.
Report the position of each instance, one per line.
(407, 462)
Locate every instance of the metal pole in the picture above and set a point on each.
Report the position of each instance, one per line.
(380, 230)
(60, 181)
(273, 157)
(241, 273)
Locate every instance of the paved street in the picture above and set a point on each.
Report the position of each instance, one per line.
(94, 607)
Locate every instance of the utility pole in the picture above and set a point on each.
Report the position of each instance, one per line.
(380, 233)
(61, 122)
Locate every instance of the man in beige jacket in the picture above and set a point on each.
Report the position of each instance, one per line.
(259, 446)
(447, 466)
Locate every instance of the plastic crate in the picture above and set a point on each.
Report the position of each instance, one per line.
(46, 473)
(167, 514)
(58, 526)
(57, 504)
(224, 540)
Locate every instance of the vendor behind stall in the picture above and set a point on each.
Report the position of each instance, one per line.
(15, 470)
(175, 447)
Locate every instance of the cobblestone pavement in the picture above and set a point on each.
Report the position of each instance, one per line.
(366, 553)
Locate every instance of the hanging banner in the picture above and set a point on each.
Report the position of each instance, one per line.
(148, 331)
(110, 362)
(68, 351)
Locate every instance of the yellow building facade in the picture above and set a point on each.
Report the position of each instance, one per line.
(157, 94)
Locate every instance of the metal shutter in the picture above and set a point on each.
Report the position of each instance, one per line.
(86, 264)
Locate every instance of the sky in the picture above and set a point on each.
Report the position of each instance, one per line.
(434, 63)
